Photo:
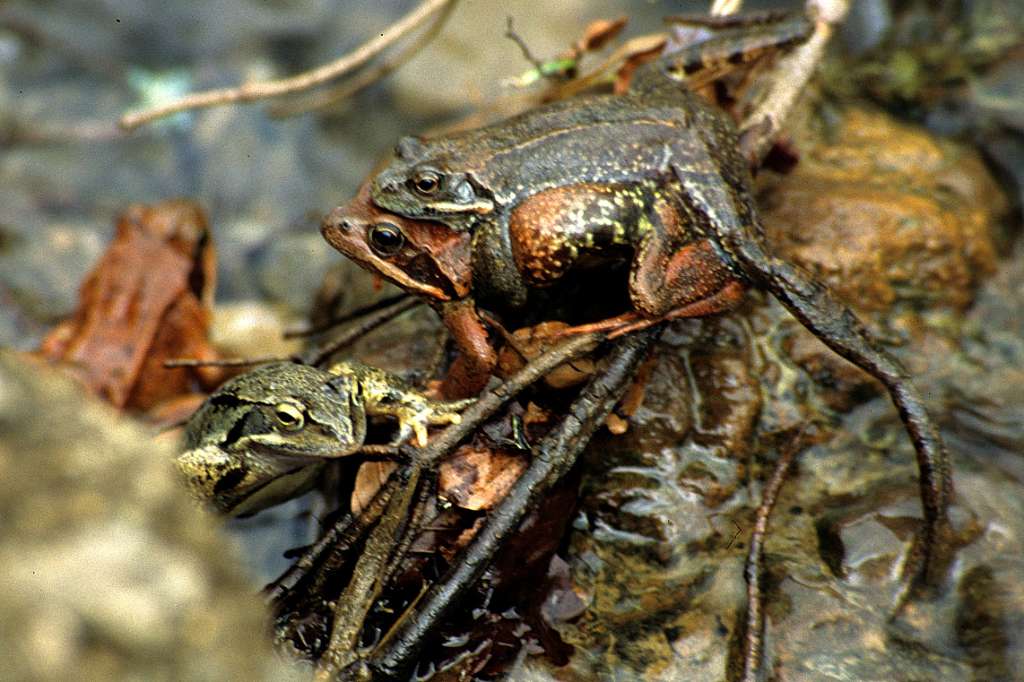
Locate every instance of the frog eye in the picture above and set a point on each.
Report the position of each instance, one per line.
(289, 416)
(426, 183)
(386, 239)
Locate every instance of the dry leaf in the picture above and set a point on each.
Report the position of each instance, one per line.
(370, 478)
(529, 342)
(599, 33)
(639, 51)
(475, 478)
(147, 300)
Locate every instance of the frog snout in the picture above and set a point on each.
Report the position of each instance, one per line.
(336, 221)
(209, 472)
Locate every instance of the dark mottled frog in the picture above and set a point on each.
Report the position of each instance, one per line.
(263, 437)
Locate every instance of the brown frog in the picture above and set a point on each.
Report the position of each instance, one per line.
(264, 436)
(655, 174)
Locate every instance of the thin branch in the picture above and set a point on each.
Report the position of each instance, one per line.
(758, 130)
(511, 34)
(753, 641)
(347, 89)
(317, 353)
(312, 330)
(553, 457)
(491, 401)
(259, 90)
(224, 362)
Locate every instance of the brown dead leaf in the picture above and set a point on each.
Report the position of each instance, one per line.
(618, 421)
(529, 342)
(599, 33)
(147, 300)
(535, 415)
(370, 478)
(476, 478)
(638, 51)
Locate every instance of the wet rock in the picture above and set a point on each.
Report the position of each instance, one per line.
(42, 271)
(110, 572)
(910, 221)
(292, 265)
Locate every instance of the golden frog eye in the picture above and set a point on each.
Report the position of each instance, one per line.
(426, 183)
(386, 239)
(289, 416)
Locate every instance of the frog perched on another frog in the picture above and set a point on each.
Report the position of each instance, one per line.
(264, 436)
(655, 177)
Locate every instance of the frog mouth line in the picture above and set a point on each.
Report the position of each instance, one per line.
(236, 503)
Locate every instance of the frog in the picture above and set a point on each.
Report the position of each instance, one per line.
(264, 437)
(614, 177)
(657, 176)
(429, 260)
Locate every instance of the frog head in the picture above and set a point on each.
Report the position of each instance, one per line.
(264, 436)
(425, 258)
(418, 182)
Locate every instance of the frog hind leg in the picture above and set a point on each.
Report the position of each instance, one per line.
(664, 278)
(839, 328)
(691, 282)
(733, 42)
(723, 300)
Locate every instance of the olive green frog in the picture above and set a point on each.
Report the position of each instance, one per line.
(263, 437)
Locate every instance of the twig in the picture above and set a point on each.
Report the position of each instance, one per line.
(753, 641)
(224, 362)
(367, 581)
(438, 447)
(553, 457)
(343, 91)
(311, 330)
(318, 353)
(491, 401)
(258, 90)
(375, 317)
(758, 131)
(511, 34)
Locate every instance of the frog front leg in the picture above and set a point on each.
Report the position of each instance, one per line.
(476, 358)
(386, 395)
(416, 413)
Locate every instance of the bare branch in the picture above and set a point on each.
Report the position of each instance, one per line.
(350, 87)
(259, 90)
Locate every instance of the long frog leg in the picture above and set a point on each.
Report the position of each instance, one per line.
(840, 329)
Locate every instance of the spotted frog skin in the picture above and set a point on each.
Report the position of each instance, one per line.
(264, 436)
